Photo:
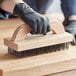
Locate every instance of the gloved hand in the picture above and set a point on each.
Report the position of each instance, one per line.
(71, 28)
(38, 23)
(1, 1)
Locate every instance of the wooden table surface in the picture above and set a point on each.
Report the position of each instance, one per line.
(40, 65)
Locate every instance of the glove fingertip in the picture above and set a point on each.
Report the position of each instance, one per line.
(48, 28)
(32, 32)
(45, 34)
(74, 40)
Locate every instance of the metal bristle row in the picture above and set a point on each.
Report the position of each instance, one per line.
(37, 51)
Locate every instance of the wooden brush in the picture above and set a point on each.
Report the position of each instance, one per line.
(24, 44)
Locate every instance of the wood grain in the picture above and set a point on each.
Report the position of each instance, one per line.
(38, 65)
(65, 73)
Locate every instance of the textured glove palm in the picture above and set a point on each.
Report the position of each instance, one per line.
(38, 23)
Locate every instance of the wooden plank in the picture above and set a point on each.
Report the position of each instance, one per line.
(3, 49)
(39, 65)
(66, 73)
(10, 23)
(1, 40)
(57, 16)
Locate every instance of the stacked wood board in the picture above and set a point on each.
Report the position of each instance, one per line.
(51, 64)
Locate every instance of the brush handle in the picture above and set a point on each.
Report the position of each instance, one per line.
(56, 27)
(24, 29)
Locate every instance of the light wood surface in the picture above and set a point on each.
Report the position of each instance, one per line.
(66, 73)
(7, 27)
(40, 65)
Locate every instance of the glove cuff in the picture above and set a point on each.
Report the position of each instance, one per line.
(1, 1)
(18, 7)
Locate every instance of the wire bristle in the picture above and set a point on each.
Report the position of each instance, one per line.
(38, 51)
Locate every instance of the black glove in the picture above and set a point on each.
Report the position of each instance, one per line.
(1, 1)
(71, 28)
(38, 23)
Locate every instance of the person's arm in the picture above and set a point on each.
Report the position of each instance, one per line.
(39, 24)
(0, 0)
(69, 11)
(8, 5)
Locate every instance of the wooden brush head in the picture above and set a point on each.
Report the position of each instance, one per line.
(20, 40)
